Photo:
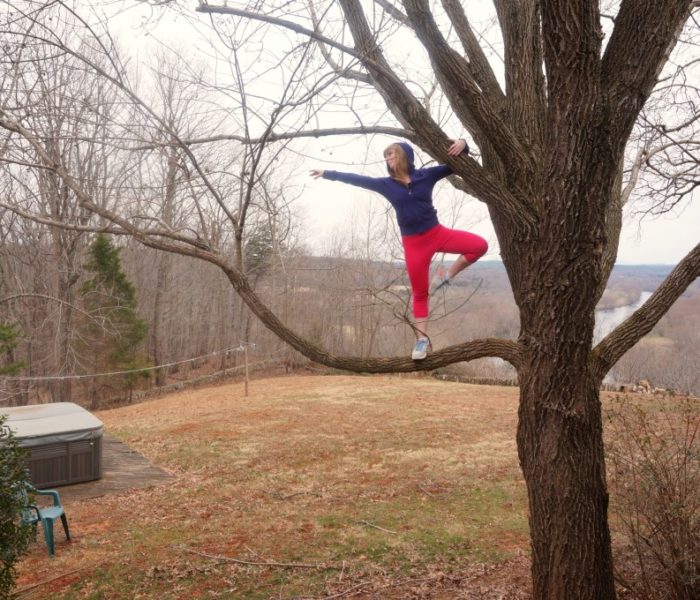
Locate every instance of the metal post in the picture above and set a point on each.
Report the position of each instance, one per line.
(245, 358)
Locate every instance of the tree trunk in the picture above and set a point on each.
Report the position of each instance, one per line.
(163, 267)
(560, 437)
(63, 359)
(162, 273)
(561, 453)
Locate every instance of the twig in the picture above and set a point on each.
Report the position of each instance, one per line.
(36, 585)
(441, 488)
(376, 526)
(279, 496)
(422, 489)
(355, 589)
(347, 592)
(253, 552)
(269, 563)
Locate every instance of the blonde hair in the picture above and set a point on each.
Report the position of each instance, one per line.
(402, 162)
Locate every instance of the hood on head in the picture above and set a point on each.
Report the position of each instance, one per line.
(408, 151)
(409, 155)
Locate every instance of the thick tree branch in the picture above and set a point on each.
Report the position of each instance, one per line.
(572, 38)
(525, 84)
(626, 335)
(473, 105)
(479, 65)
(629, 80)
(505, 349)
(413, 116)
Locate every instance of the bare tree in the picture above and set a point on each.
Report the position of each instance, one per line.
(551, 171)
(72, 116)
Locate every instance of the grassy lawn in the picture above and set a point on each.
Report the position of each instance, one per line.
(343, 486)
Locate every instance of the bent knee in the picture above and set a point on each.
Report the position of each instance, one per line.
(479, 248)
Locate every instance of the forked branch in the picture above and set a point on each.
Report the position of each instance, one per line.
(470, 102)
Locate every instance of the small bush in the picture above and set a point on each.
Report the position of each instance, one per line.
(653, 458)
(14, 535)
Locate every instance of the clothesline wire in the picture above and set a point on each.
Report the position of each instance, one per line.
(240, 348)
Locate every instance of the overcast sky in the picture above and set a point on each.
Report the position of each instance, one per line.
(327, 206)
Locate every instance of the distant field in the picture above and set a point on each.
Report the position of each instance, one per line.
(362, 487)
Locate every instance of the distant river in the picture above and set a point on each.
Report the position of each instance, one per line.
(606, 320)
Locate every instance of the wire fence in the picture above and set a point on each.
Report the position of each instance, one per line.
(97, 390)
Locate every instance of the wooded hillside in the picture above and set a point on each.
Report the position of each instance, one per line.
(197, 326)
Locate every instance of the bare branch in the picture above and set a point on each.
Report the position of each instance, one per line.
(266, 563)
(256, 16)
(344, 72)
(479, 64)
(44, 297)
(125, 225)
(471, 104)
(276, 137)
(626, 335)
(629, 80)
(60, 223)
(393, 12)
(413, 115)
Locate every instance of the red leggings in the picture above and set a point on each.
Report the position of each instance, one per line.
(419, 250)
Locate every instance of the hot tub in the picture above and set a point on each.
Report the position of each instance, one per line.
(64, 442)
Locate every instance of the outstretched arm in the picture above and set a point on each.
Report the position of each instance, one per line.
(375, 184)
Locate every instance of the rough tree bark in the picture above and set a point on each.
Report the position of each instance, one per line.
(552, 149)
(552, 145)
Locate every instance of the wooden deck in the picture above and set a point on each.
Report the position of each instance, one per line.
(122, 469)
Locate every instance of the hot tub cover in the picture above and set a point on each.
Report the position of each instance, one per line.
(40, 424)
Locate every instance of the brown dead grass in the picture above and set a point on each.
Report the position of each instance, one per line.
(393, 487)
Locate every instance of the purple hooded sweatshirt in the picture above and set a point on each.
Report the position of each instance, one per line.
(413, 203)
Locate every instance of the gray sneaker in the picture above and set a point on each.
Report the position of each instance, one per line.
(420, 351)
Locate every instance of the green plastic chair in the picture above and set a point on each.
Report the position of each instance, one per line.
(32, 514)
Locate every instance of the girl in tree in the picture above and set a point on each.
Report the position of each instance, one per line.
(410, 192)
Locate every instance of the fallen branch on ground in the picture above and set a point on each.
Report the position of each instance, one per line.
(269, 563)
(29, 588)
(376, 526)
(279, 496)
(357, 589)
